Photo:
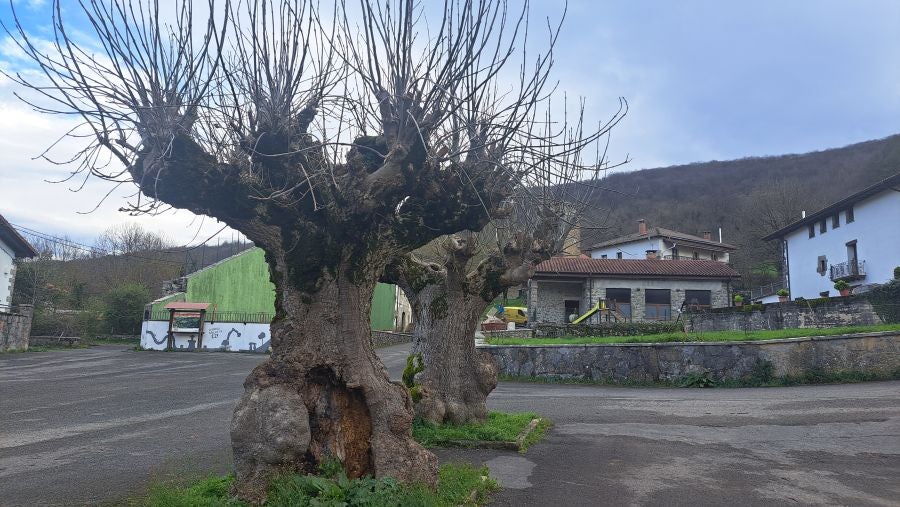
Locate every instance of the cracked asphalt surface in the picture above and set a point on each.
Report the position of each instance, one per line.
(94, 426)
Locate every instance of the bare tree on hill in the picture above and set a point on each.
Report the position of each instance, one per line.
(335, 141)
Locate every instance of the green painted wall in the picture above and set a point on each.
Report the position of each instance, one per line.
(241, 284)
(383, 302)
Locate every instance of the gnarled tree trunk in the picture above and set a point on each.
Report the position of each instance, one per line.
(448, 300)
(323, 392)
(457, 378)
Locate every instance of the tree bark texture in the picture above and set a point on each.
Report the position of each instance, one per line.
(448, 300)
(324, 393)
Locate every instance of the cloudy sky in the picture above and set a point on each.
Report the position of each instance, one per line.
(706, 80)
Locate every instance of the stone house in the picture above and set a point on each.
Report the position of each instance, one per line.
(638, 289)
(856, 239)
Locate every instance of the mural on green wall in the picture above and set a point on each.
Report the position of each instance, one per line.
(241, 284)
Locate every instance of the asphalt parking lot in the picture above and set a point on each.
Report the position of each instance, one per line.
(94, 426)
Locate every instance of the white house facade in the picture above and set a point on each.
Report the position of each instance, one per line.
(663, 243)
(12, 247)
(856, 239)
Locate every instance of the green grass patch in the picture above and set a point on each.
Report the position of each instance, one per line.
(458, 484)
(712, 336)
(499, 427)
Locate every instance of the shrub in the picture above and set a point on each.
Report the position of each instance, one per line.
(885, 300)
(738, 298)
(610, 329)
(841, 285)
(783, 293)
(124, 308)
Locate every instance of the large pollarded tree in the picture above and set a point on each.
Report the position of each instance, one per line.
(335, 141)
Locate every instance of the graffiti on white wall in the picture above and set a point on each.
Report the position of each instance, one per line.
(219, 336)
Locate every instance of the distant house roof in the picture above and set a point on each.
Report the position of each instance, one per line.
(682, 238)
(889, 183)
(635, 268)
(21, 247)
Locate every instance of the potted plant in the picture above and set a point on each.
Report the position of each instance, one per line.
(738, 300)
(783, 295)
(842, 287)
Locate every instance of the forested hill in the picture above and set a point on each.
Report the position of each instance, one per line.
(747, 198)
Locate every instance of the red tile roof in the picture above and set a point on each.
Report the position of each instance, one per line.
(643, 268)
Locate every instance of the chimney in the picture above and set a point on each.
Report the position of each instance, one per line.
(651, 254)
(572, 243)
(707, 235)
(642, 226)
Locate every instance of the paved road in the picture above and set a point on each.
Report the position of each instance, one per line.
(93, 425)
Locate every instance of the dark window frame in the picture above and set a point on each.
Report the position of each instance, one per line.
(812, 230)
(703, 302)
(850, 215)
(823, 226)
(618, 255)
(835, 220)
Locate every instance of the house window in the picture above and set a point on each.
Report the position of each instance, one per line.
(603, 256)
(812, 230)
(714, 256)
(835, 220)
(572, 308)
(698, 299)
(696, 255)
(675, 253)
(618, 255)
(822, 227)
(658, 304)
(822, 265)
(850, 217)
(620, 301)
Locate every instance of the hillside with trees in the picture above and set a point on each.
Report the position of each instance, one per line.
(748, 198)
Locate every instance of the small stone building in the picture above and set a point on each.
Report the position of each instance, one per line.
(638, 289)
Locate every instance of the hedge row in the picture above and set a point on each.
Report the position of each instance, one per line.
(610, 329)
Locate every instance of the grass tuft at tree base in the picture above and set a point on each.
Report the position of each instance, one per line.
(499, 427)
(458, 484)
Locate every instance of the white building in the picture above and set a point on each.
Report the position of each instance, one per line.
(663, 243)
(856, 239)
(12, 246)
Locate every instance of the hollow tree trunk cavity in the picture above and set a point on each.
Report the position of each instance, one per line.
(323, 393)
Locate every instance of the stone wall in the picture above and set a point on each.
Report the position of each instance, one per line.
(387, 338)
(15, 328)
(869, 352)
(834, 312)
(547, 297)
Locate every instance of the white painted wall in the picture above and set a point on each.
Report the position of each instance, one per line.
(7, 273)
(631, 250)
(638, 250)
(876, 229)
(221, 336)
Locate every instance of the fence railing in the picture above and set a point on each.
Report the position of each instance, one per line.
(850, 270)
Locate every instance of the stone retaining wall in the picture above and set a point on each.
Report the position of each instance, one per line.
(15, 328)
(387, 338)
(869, 352)
(834, 312)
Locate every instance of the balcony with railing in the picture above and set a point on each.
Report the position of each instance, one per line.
(850, 270)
